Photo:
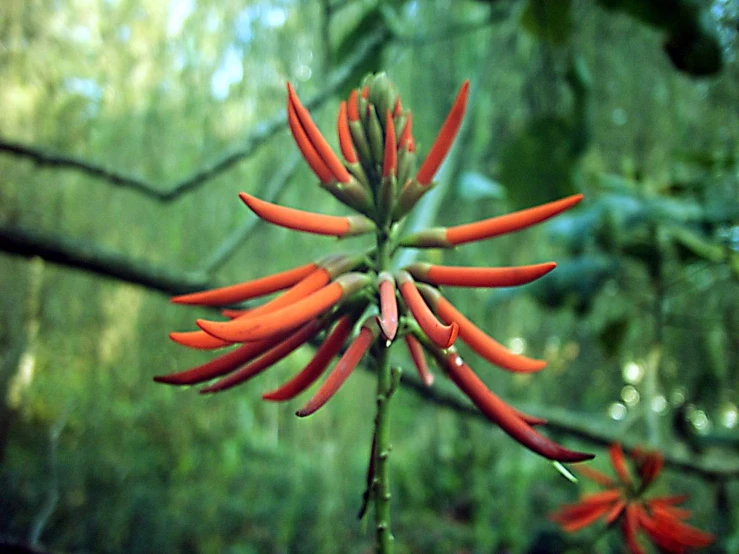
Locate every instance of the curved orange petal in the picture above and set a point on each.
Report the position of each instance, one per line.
(342, 370)
(390, 159)
(595, 475)
(268, 358)
(345, 136)
(445, 138)
(198, 339)
(479, 276)
(485, 346)
(352, 106)
(406, 136)
(508, 223)
(503, 415)
(221, 365)
(442, 335)
(388, 318)
(630, 526)
(308, 222)
(419, 360)
(308, 375)
(257, 328)
(619, 463)
(240, 292)
(306, 147)
(316, 138)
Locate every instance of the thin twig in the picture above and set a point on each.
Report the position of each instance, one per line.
(275, 188)
(588, 428)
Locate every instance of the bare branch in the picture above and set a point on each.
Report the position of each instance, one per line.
(262, 133)
(95, 259)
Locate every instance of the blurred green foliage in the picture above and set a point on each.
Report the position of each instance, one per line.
(567, 96)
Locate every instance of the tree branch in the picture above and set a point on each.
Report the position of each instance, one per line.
(73, 253)
(262, 132)
(590, 429)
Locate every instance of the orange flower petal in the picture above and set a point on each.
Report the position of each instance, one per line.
(345, 136)
(342, 370)
(221, 365)
(508, 223)
(315, 368)
(268, 358)
(630, 526)
(479, 276)
(406, 137)
(317, 140)
(198, 339)
(595, 476)
(353, 106)
(397, 108)
(306, 147)
(233, 294)
(589, 515)
(233, 314)
(257, 328)
(308, 222)
(619, 464)
(485, 346)
(501, 413)
(419, 360)
(615, 512)
(445, 138)
(442, 335)
(673, 535)
(388, 319)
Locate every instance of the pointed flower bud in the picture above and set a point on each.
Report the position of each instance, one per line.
(419, 359)
(256, 328)
(390, 161)
(310, 373)
(221, 365)
(286, 347)
(485, 346)
(503, 415)
(445, 138)
(479, 276)
(442, 335)
(308, 222)
(388, 319)
(343, 368)
(315, 137)
(234, 294)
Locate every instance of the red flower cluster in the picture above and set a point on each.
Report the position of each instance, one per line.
(624, 501)
(356, 299)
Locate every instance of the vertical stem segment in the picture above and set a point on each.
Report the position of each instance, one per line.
(381, 483)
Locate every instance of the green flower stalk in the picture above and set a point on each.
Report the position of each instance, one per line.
(356, 300)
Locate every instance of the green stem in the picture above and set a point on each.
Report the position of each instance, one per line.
(381, 483)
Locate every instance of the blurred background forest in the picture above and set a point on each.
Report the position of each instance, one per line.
(127, 130)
